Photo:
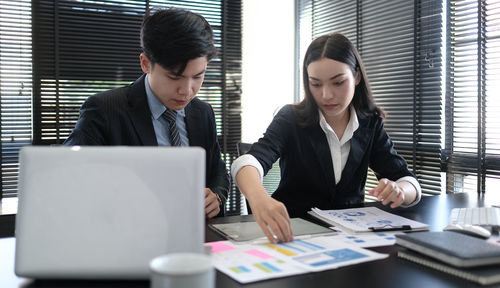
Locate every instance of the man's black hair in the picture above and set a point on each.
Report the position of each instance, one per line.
(172, 37)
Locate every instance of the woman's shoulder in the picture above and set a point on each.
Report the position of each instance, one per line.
(285, 112)
(286, 109)
(285, 118)
(370, 120)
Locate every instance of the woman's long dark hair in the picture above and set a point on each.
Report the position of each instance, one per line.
(337, 47)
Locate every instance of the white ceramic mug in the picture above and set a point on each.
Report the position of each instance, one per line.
(182, 270)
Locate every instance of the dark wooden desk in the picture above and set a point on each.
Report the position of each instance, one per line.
(389, 272)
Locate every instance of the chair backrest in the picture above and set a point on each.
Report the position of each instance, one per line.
(243, 148)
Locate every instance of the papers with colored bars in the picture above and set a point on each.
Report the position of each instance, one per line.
(367, 219)
(255, 262)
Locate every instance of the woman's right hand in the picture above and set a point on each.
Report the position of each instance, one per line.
(270, 214)
(273, 219)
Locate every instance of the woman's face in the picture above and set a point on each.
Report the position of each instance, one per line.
(332, 85)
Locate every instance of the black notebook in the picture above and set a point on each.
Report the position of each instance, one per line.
(484, 275)
(452, 248)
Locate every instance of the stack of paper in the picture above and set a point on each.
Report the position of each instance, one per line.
(367, 219)
(254, 262)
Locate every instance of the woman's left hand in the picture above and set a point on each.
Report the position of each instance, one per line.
(388, 191)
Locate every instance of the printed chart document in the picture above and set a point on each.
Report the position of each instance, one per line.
(367, 219)
(365, 240)
(255, 262)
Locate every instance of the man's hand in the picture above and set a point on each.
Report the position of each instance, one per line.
(388, 191)
(212, 203)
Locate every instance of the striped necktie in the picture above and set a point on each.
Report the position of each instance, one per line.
(170, 116)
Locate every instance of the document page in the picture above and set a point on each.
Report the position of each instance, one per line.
(255, 262)
(365, 240)
(365, 218)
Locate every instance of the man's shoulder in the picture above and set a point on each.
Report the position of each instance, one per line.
(199, 104)
(120, 94)
(117, 94)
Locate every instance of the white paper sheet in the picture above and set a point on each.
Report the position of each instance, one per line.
(361, 219)
(365, 240)
(254, 262)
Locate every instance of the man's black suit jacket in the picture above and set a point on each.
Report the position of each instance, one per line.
(307, 177)
(122, 117)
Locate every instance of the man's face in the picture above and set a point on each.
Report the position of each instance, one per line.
(175, 91)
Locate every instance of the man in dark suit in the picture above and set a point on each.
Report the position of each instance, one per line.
(161, 108)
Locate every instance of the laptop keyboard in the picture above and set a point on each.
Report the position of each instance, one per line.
(483, 216)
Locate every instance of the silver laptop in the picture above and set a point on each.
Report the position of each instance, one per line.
(105, 212)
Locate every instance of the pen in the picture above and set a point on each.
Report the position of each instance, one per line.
(390, 228)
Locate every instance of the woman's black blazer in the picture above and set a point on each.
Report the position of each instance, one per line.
(307, 178)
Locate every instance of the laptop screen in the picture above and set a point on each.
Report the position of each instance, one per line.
(105, 212)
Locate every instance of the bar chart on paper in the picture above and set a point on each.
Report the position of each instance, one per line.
(248, 262)
(254, 262)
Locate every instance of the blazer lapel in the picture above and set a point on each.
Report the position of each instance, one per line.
(194, 125)
(359, 145)
(319, 144)
(140, 114)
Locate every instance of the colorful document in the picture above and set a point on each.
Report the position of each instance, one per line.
(254, 262)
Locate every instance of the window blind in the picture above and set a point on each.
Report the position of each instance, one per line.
(85, 47)
(472, 107)
(15, 88)
(231, 117)
(400, 45)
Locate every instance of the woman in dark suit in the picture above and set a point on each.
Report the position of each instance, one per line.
(325, 145)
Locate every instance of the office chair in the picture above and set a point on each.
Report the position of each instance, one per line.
(270, 181)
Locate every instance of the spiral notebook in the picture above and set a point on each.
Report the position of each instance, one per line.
(452, 248)
(484, 275)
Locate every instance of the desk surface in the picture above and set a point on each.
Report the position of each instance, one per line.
(389, 272)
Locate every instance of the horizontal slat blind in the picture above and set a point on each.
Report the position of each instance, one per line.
(334, 16)
(473, 107)
(305, 27)
(231, 116)
(82, 48)
(15, 88)
(387, 48)
(400, 45)
(429, 96)
(492, 88)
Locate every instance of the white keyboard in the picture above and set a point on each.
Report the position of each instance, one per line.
(483, 216)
